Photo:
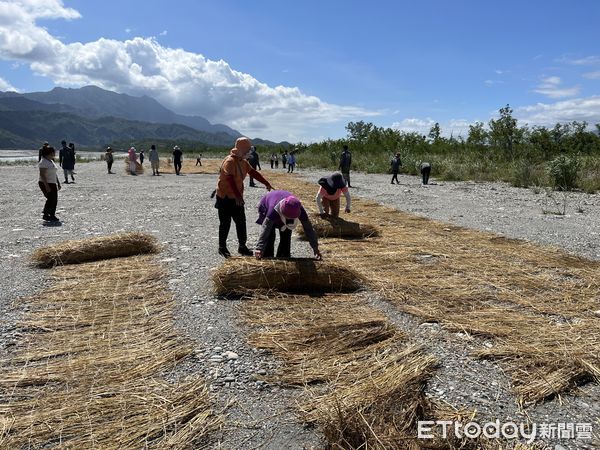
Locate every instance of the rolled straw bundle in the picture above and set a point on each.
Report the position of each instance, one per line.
(335, 227)
(239, 276)
(94, 249)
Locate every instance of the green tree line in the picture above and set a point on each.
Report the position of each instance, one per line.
(565, 156)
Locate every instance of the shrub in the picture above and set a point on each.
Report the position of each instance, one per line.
(564, 171)
(523, 174)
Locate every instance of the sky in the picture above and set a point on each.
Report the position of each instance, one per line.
(300, 71)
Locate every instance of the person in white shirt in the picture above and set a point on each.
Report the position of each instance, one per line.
(154, 160)
(49, 184)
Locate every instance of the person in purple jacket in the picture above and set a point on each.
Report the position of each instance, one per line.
(281, 210)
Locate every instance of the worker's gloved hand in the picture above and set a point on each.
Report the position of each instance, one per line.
(258, 254)
(318, 255)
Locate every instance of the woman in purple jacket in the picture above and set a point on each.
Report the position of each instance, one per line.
(282, 210)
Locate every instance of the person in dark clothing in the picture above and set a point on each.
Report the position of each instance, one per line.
(254, 161)
(142, 156)
(66, 159)
(396, 164)
(425, 171)
(345, 164)
(41, 150)
(109, 158)
(177, 156)
(284, 158)
(291, 160)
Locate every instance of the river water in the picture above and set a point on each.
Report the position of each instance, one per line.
(32, 155)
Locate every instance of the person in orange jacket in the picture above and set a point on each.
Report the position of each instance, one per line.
(230, 195)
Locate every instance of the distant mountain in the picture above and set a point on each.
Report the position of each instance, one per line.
(29, 128)
(93, 102)
(91, 116)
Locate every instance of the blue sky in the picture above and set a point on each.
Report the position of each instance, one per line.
(302, 70)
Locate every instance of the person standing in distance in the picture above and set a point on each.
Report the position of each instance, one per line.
(396, 163)
(177, 156)
(154, 159)
(66, 160)
(254, 161)
(425, 171)
(345, 164)
(109, 158)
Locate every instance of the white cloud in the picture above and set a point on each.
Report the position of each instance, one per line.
(184, 81)
(413, 124)
(163, 33)
(454, 127)
(6, 86)
(127, 30)
(493, 82)
(592, 75)
(548, 114)
(551, 87)
(586, 61)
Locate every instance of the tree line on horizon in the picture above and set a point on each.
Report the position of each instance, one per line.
(566, 156)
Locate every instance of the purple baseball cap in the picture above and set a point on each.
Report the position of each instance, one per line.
(290, 207)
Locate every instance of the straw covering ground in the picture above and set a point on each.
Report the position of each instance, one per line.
(87, 373)
(362, 379)
(189, 167)
(538, 306)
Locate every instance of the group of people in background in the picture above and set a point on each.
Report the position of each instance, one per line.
(153, 156)
(288, 160)
(278, 210)
(423, 166)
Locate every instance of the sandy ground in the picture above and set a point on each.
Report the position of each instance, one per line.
(179, 211)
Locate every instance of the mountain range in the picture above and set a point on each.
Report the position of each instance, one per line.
(92, 117)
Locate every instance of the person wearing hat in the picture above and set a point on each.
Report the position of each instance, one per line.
(230, 195)
(328, 196)
(132, 160)
(154, 159)
(396, 163)
(109, 158)
(281, 210)
(177, 155)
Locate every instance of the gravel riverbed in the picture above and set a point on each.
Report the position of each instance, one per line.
(180, 213)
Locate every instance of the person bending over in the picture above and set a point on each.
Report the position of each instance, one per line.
(282, 211)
